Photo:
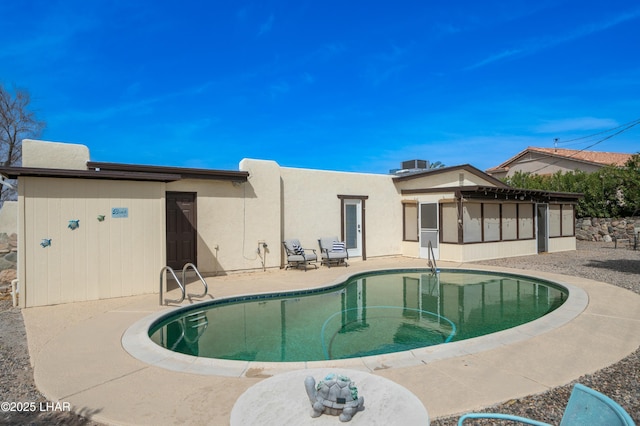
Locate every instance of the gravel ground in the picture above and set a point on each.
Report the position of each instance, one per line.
(16, 377)
(621, 381)
(592, 260)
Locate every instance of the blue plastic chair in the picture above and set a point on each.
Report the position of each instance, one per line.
(585, 407)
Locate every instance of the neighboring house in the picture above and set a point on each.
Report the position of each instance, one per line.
(133, 220)
(551, 160)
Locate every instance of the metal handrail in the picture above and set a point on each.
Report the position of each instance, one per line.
(204, 283)
(170, 269)
(431, 258)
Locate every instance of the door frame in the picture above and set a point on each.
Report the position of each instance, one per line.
(362, 238)
(542, 227)
(424, 252)
(194, 223)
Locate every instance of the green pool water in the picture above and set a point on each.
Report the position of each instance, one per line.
(370, 314)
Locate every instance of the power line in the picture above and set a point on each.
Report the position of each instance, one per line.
(634, 122)
(628, 126)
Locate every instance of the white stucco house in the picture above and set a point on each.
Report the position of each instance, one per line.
(133, 220)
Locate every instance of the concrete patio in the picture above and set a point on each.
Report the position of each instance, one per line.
(78, 357)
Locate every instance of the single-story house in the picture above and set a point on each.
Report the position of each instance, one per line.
(547, 161)
(92, 230)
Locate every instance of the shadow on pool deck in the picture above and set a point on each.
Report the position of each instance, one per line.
(78, 357)
(618, 265)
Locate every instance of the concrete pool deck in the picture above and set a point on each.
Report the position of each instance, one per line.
(78, 357)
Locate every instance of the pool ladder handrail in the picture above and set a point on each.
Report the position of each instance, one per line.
(202, 280)
(182, 284)
(431, 258)
(170, 269)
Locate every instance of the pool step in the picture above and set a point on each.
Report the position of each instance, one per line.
(197, 319)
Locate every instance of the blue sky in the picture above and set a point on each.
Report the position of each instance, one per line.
(354, 86)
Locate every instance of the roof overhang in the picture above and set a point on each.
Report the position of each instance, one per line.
(183, 172)
(466, 167)
(16, 172)
(535, 195)
(499, 193)
(115, 171)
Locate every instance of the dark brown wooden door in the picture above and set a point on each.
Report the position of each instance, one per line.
(181, 229)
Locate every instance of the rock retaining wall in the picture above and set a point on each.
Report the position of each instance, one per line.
(606, 229)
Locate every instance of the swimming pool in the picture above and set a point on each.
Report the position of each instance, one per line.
(369, 314)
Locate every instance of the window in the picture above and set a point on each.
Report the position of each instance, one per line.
(554, 220)
(509, 221)
(525, 221)
(450, 223)
(568, 220)
(491, 222)
(471, 222)
(487, 222)
(561, 220)
(429, 216)
(410, 221)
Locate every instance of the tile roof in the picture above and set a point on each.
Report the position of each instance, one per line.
(594, 157)
(604, 158)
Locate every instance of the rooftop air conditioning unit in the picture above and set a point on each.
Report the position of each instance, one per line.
(415, 164)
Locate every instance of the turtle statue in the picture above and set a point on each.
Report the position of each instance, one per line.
(336, 395)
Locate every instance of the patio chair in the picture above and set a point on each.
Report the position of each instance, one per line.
(333, 251)
(298, 256)
(585, 407)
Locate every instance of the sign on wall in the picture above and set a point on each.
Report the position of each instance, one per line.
(119, 212)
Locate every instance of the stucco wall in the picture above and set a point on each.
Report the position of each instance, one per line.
(312, 208)
(261, 212)
(561, 244)
(233, 217)
(54, 155)
(482, 251)
(98, 260)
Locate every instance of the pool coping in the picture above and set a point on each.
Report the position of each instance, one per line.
(138, 344)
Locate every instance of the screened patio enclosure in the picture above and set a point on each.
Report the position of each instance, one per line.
(490, 214)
